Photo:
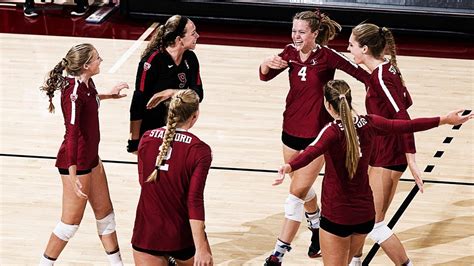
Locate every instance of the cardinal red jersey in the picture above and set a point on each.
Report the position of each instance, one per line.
(165, 206)
(80, 107)
(158, 72)
(304, 114)
(344, 200)
(388, 97)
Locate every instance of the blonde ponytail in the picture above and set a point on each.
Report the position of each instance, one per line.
(338, 94)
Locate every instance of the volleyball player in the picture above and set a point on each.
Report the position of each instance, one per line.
(386, 96)
(167, 65)
(347, 143)
(310, 65)
(82, 173)
(173, 164)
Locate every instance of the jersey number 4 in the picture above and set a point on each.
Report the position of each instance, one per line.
(302, 73)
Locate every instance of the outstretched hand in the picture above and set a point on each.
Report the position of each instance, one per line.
(454, 117)
(282, 171)
(276, 62)
(159, 97)
(115, 92)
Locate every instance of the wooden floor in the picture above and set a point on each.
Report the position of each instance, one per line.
(241, 120)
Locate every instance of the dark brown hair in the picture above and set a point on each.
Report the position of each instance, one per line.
(166, 34)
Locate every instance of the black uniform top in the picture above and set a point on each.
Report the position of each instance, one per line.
(158, 72)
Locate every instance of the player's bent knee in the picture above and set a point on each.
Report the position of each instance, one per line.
(380, 233)
(106, 225)
(310, 195)
(65, 231)
(294, 208)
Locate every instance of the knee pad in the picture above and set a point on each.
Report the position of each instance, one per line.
(310, 196)
(294, 208)
(380, 233)
(106, 225)
(65, 231)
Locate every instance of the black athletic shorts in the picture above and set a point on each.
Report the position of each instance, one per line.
(296, 143)
(399, 168)
(184, 254)
(78, 172)
(346, 230)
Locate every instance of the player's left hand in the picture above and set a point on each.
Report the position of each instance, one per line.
(115, 92)
(415, 172)
(286, 168)
(159, 97)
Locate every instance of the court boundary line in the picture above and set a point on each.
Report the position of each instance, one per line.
(224, 168)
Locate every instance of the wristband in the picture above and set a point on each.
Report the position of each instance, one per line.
(133, 145)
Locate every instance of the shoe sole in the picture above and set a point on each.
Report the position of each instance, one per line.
(314, 256)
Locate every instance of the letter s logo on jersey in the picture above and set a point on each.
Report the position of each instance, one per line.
(73, 97)
(182, 80)
(146, 66)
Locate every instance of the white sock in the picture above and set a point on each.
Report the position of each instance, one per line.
(280, 249)
(45, 261)
(355, 261)
(115, 259)
(408, 263)
(313, 219)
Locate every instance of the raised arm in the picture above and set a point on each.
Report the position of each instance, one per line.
(339, 61)
(386, 126)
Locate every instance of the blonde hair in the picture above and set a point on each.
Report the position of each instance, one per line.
(318, 21)
(166, 34)
(338, 94)
(379, 41)
(72, 63)
(183, 105)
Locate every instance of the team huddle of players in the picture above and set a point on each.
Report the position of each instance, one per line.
(319, 128)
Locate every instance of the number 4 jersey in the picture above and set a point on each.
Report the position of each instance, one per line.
(304, 114)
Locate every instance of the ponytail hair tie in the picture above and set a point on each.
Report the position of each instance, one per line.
(381, 32)
(342, 96)
(317, 12)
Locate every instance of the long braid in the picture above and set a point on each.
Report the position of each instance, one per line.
(183, 105)
(54, 81)
(164, 147)
(338, 94)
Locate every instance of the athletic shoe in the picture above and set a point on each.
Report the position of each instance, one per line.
(29, 11)
(314, 250)
(272, 260)
(79, 11)
(171, 261)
